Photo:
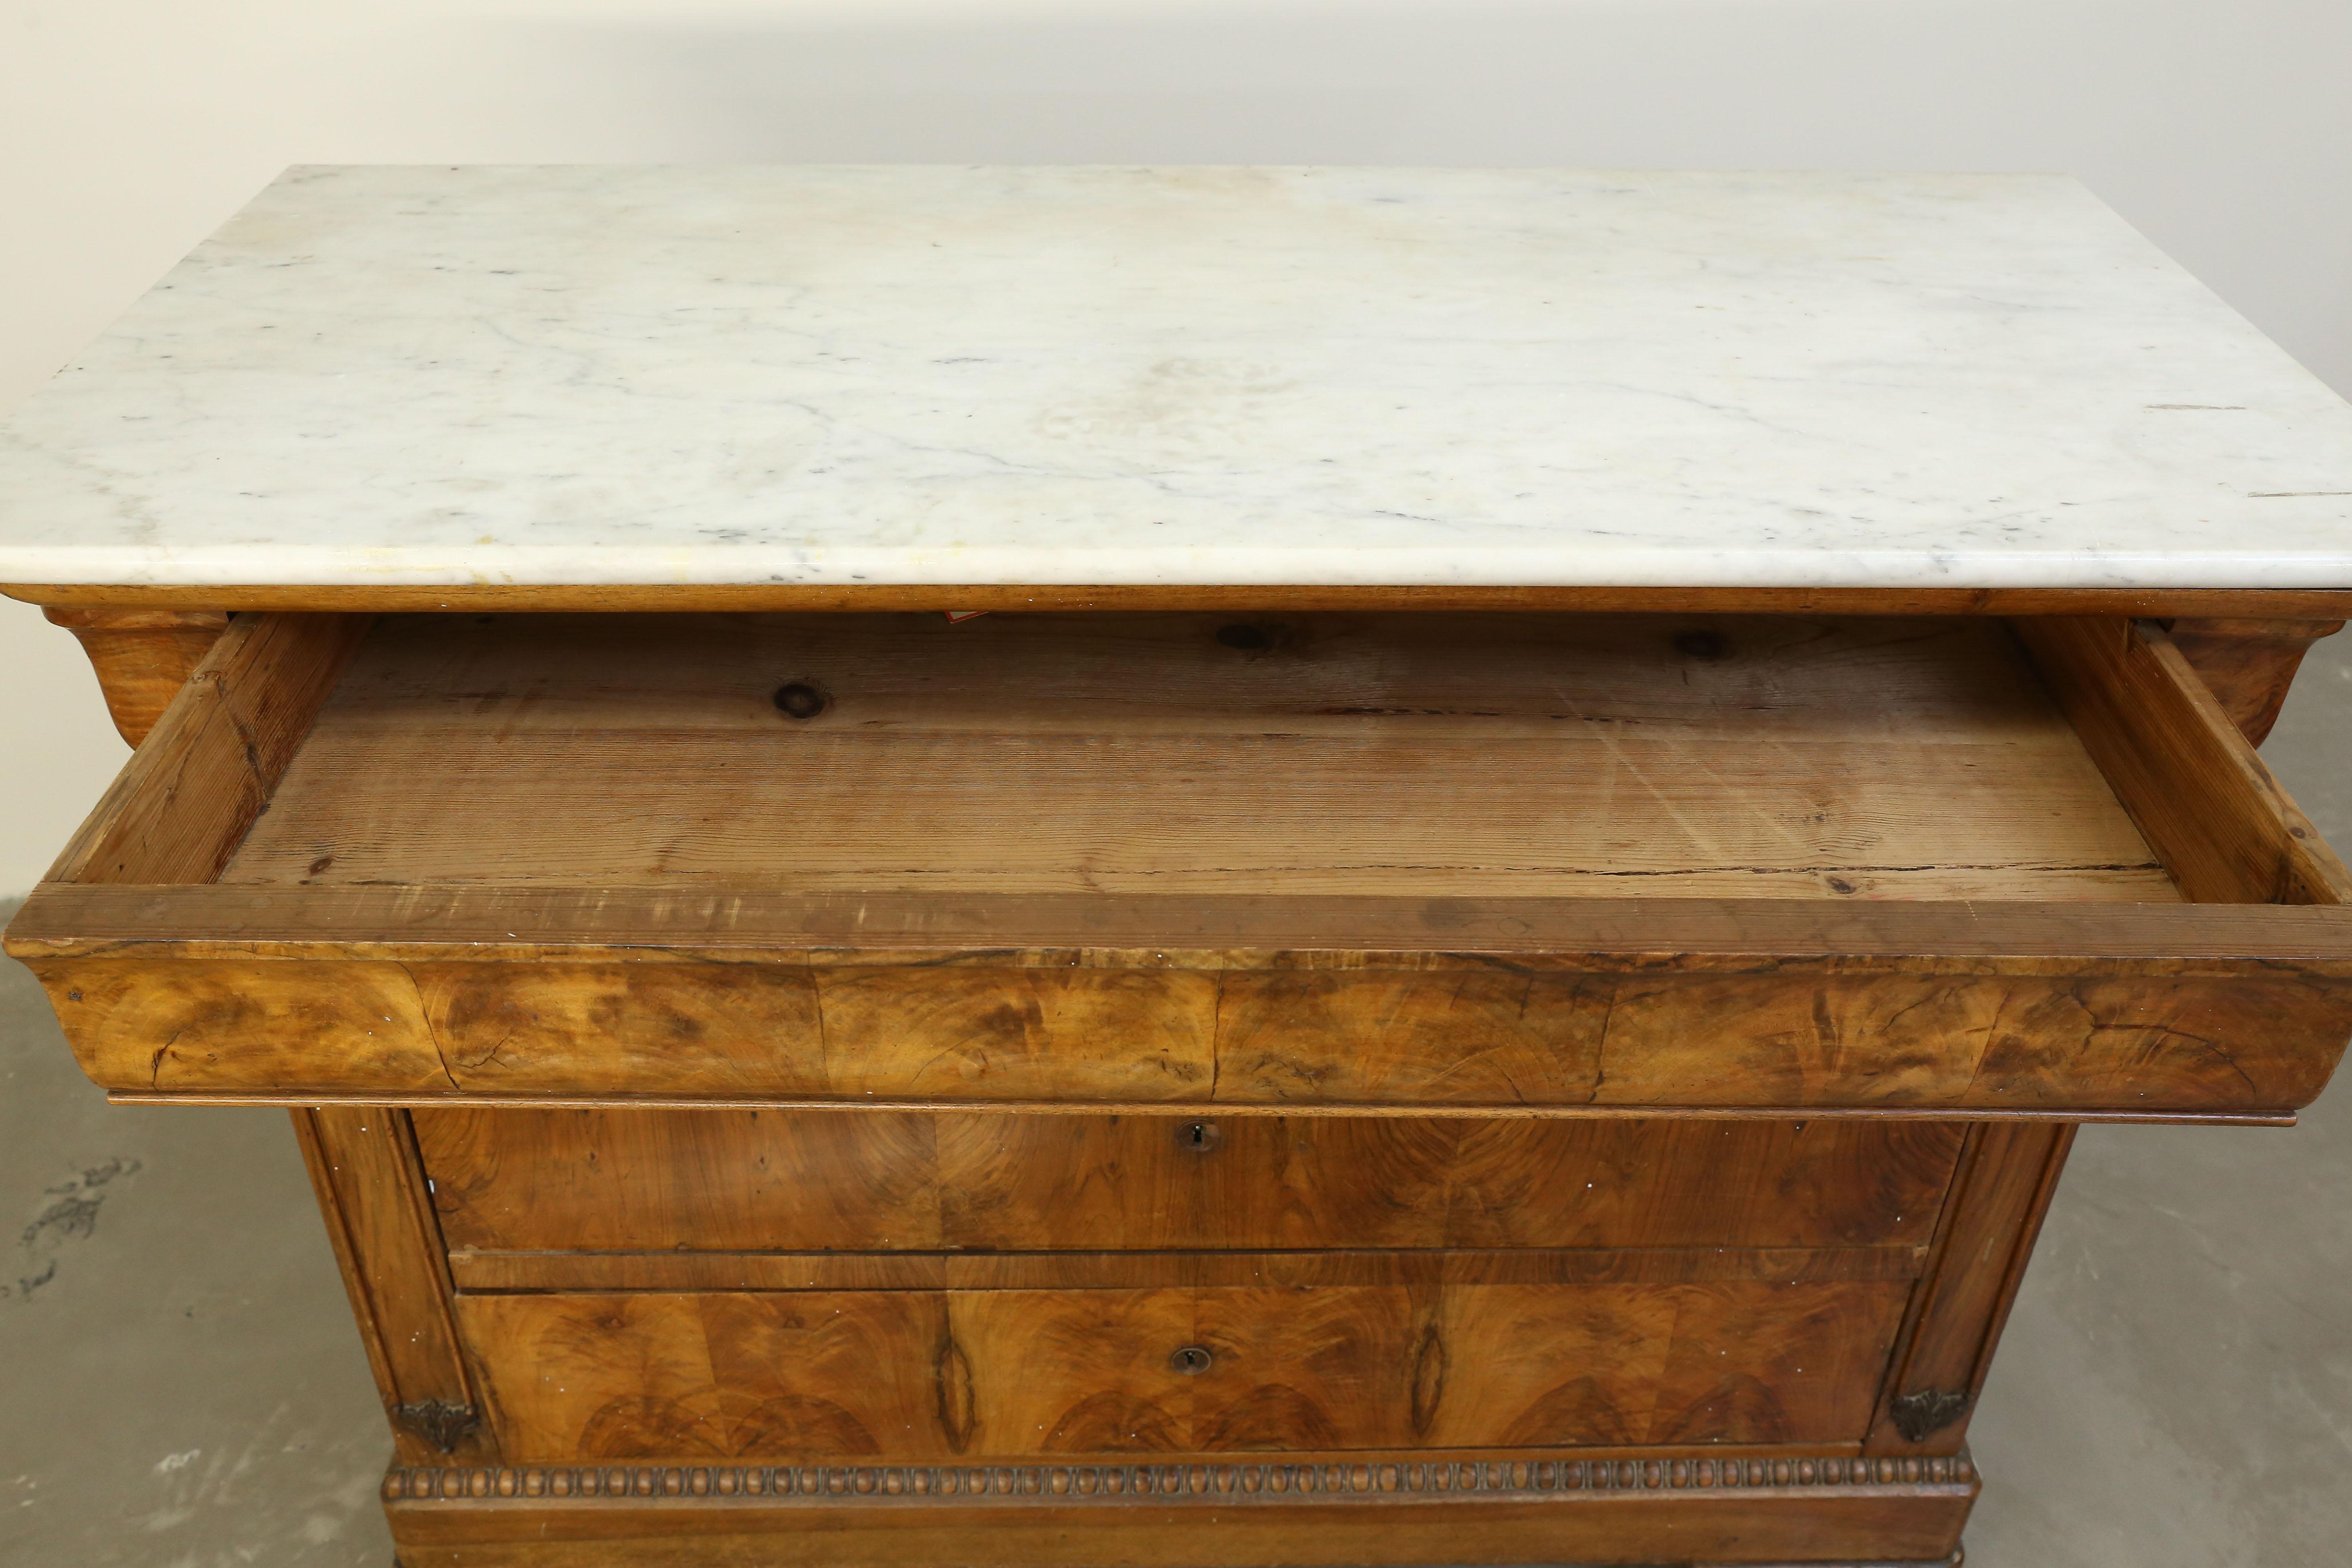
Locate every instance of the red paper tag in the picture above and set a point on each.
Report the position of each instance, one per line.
(957, 618)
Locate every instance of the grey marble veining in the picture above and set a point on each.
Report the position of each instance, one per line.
(1120, 376)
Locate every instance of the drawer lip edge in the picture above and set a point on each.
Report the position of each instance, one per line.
(435, 922)
(1642, 1110)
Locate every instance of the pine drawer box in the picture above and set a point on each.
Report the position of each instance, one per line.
(1491, 954)
(1174, 863)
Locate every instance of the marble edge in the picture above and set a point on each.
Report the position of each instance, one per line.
(1339, 567)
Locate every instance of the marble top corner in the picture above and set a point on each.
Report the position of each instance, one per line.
(434, 376)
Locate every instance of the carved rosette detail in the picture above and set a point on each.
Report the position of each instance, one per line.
(1224, 1483)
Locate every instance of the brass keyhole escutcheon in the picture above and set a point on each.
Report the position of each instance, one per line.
(1191, 1360)
(1200, 1137)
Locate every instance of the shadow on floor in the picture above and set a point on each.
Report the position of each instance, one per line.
(182, 1385)
(2174, 1387)
(183, 1388)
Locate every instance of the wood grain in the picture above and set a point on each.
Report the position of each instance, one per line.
(2009, 1175)
(935, 1374)
(178, 810)
(2070, 1114)
(166, 1026)
(1221, 933)
(530, 1181)
(374, 1198)
(687, 1290)
(2225, 827)
(1426, 755)
(142, 657)
(2252, 1037)
(1247, 999)
(2248, 664)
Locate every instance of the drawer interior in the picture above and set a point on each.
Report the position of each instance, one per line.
(1501, 864)
(1421, 757)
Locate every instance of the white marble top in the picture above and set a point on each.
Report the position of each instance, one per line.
(1216, 375)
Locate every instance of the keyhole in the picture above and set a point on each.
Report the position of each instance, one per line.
(1200, 1136)
(1705, 646)
(1191, 1360)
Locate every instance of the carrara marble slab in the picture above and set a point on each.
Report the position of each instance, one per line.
(1178, 375)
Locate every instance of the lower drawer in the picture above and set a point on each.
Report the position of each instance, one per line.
(915, 1376)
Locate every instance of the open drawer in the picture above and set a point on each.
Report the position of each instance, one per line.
(1539, 863)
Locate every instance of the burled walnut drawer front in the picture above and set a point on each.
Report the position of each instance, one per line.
(1557, 863)
(700, 1190)
(925, 1374)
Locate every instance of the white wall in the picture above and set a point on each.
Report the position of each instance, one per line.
(130, 128)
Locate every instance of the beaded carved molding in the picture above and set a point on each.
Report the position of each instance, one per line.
(1224, 1483)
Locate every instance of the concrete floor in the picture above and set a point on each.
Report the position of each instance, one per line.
(180, 1383)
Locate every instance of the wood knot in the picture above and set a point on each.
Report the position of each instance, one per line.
(802, 699)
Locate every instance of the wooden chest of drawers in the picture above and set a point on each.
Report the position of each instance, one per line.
(1409, 1088)
(1570, 786)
